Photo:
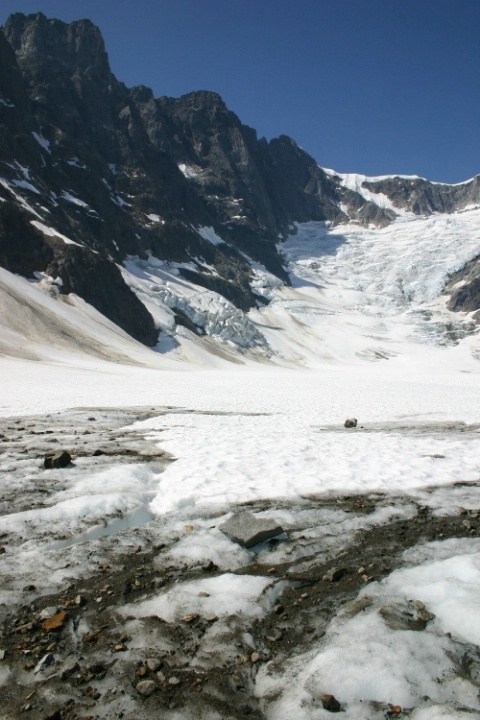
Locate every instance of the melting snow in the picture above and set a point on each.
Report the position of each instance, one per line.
(42, 141)
(188, 171)
(208, 233)
(51, 232)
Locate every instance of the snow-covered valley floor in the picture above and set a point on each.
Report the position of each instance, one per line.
(121, 596)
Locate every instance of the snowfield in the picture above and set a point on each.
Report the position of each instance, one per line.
(251, 412)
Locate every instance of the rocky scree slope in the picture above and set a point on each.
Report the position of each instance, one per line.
(92, 172)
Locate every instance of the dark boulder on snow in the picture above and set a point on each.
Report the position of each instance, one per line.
(350, 423)
(248, 530)
(57, 460)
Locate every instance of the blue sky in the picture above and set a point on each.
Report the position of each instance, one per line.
(369, 86)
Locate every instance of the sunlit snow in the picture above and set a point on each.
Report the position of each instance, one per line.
(270, 425)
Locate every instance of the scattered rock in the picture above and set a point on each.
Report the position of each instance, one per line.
(191, 618)
(47, 612)
(210, 618)
(335, 574)
(331, 704)
(254, 657)
(55, 622)
(46, 662)
(351, 422)
(60, 459)
(145, 688)
(247, 530)
(174, 681)
(154, 664)
(210, 566)
(69, 670)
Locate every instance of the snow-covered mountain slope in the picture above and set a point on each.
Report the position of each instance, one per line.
(373, 293)
(356, 294)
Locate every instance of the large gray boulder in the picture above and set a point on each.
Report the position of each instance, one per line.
(248, 530)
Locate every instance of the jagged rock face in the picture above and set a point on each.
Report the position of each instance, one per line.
(424, 198)
(464, 289)
(121, 173)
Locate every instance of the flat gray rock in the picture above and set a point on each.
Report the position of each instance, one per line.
(247, 530)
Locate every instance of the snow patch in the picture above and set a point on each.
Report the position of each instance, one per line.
(42, 141)
(208, 233)
(51, 232)
(187, 171)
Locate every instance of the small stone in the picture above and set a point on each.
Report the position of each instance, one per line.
(99, 600)
(210, 618)
(2, 654)
(154, 664)
(80, 600)
(202, 593)
(278, 609)
(467, 524)
(335, 574)
(418, 605)
(254, 657)
(474, 515)
(55, 622)
(145, 688)
(2, 549)
(350, 423)
(69, 670)
(331, 704)
(160, 677)
(119, 648)
(174, 681)
(191, 618)
(210, 566)
(425, 616)
(46, 662)
(60, 459)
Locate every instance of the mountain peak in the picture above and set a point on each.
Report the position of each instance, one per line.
(38, 40)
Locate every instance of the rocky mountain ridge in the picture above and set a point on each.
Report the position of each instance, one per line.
(93, 172)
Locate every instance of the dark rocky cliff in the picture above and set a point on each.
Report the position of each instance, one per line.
(118, 172)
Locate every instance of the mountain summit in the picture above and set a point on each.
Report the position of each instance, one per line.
(94, 174)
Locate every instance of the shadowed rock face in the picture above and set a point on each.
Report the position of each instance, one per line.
(464, 289)
(83, 154)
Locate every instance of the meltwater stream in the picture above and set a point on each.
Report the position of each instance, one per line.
(141, 516)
